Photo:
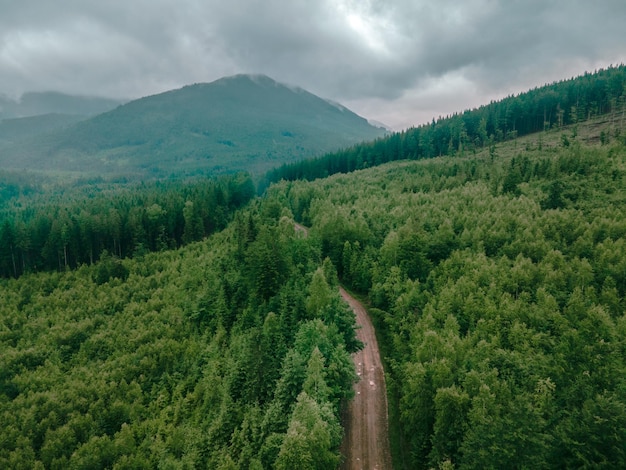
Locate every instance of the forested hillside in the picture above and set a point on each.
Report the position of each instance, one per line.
(498, 284)
(65, 227)
(14, 130)
(230, 353)
(568, 102)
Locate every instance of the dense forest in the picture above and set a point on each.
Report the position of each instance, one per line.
(65, 228)
(229, 353)
(186, 324)
(497, 286)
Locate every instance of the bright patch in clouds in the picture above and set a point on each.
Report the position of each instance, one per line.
(365, 29)
(371, 29)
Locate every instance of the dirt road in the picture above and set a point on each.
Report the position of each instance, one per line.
(366, 443)
(299, 228)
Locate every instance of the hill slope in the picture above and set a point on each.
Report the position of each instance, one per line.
(17, 129)
(498, 282)
(241, 122)
(50, 102)
(599, 97)
(96, 362)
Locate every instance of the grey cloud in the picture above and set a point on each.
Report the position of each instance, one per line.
(361, 52)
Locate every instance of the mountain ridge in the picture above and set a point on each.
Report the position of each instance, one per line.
(242, 122)
(37, 103)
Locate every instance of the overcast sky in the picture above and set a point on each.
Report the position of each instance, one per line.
(401, 62)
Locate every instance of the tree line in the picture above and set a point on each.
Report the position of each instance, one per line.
(552, 106)
(64, 229)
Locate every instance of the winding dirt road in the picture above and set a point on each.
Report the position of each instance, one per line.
(366, 443)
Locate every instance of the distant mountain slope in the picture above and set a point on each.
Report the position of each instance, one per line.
(245, 122)
(50, 102)
(17, 129)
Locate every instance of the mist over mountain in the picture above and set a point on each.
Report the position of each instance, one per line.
(51, 102)
(244, 122)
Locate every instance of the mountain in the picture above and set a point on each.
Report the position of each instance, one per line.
(50, 102)
(244, 122)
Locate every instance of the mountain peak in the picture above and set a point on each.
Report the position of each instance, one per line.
(256, 79)
(243, 122)
(253, 77)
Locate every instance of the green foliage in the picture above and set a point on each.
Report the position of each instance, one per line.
(60, 230)
(109, 268)
(540, 109)
(320, 294)
(267, 263)
(313, 431)
(176, 359)
(499, 289)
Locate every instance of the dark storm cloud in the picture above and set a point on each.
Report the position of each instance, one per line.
(397, 61)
